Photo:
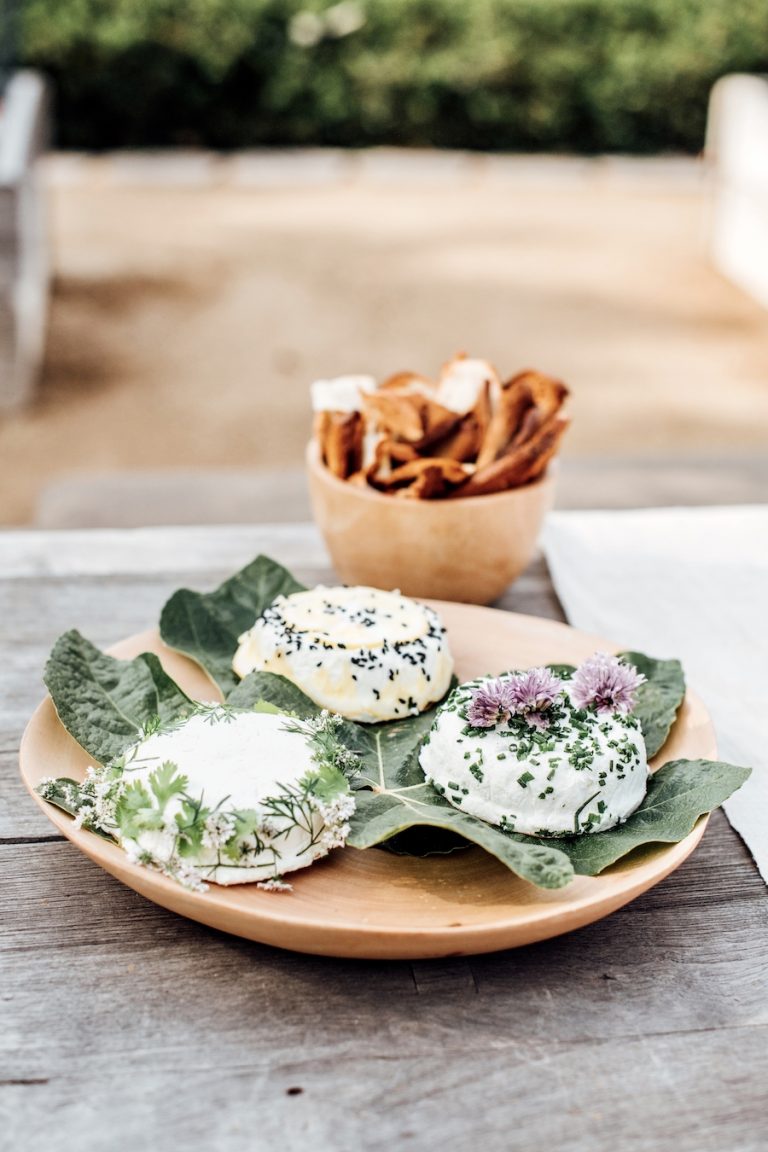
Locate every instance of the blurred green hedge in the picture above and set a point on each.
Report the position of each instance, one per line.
(583, 75)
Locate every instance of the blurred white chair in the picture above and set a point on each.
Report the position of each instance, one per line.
(737, 148)
(24, 273)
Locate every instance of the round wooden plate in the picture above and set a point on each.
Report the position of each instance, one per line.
(374, 904)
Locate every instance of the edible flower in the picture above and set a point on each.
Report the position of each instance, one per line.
(533, 694)
(490, 704)
(527, 694)
(605, 683)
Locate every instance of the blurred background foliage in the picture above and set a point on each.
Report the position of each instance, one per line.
(576, 75)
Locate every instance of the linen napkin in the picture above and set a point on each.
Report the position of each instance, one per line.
(690, 583)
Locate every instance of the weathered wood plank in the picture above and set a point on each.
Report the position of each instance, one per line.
(147, 551)
(640, 1094)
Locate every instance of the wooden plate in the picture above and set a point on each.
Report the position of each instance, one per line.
(373, 904)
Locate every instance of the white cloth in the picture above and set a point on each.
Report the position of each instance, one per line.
(690, 583)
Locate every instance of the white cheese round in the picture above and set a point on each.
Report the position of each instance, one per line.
(233, 761)
(585, 772)
(363, 653)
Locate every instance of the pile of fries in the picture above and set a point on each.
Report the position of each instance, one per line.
(467, 434)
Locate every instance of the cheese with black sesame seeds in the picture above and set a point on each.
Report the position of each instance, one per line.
(584, 772)
(364, 653)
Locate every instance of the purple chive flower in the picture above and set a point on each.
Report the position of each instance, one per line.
(533, 694)
(490, 704)
(527, 694)
(604, 683)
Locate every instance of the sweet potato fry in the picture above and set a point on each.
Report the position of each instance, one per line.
(465, 441)
(428, 485)
(519, 465)
(530, 423)
(512, 404)
(396, 414)
(388, 454)
(413, 417)
(427, 476)
(546, 392)
(341, 441)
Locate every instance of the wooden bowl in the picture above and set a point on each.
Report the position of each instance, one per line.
(467, 550)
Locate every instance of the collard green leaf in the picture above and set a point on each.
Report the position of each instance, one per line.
(386, 750)
(678, 794)
(206, 626)
(659, 699)
(261, 687)
(380, 815)
(399, 799)
(105, 703)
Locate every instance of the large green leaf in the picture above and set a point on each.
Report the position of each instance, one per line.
(105, 703)
(658, 700)
(206, 625)
(678, 794)
(259, 687)
(386, 750)
(401, 800)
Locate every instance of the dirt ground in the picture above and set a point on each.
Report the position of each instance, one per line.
(187, 323)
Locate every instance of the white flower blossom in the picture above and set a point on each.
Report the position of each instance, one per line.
(337, 810)
(219, 827)
(188, 876)
(275, 884)
(135, 853)
(334, 836)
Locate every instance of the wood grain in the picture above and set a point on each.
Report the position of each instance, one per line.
(124, 1027)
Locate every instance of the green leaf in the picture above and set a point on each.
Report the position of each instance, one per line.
(564, 671)
(165, 782)
(678, 794)
(135, 813)
(380, 815)
(269, 688)
(328, 781)
(386, 750)
(64, 793)
(659, 699)
(400, 799)
(105, 703)
(206, 626)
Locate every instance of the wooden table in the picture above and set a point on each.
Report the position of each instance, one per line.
(123, 1026)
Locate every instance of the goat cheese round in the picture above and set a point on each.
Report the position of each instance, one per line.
(252, 775)
(584, 771)
(363, 653)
